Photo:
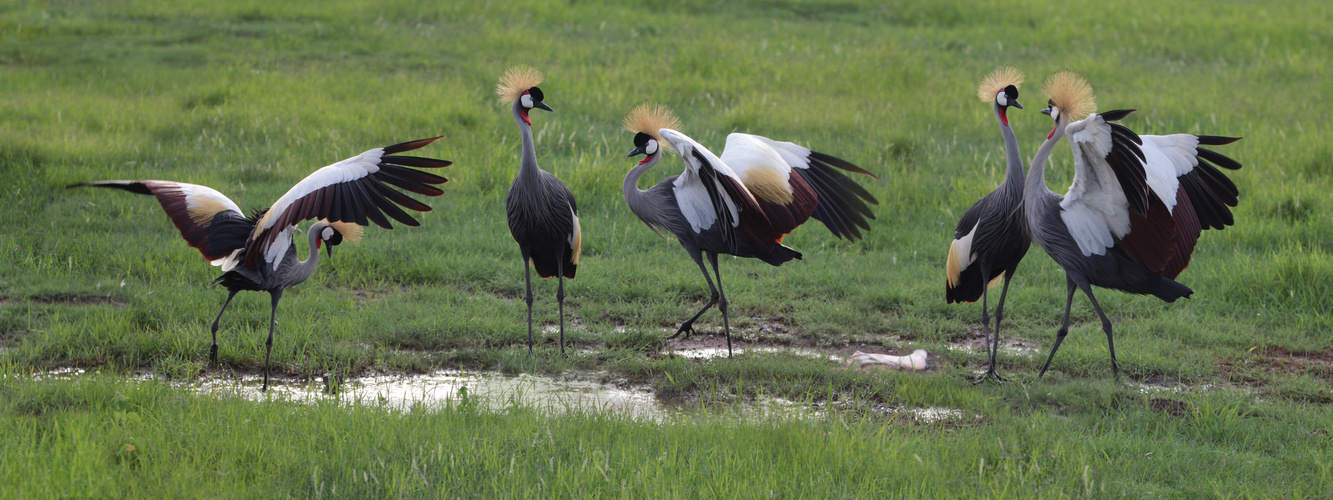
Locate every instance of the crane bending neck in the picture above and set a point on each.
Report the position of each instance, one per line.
(306, 267)
(1036, 180)
(634, 197)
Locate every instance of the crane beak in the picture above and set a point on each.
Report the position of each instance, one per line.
(1046, 111)
(635, 152)
(542, 105)
(329, 249)
(1016, 104)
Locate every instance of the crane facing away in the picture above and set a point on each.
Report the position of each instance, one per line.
(741, 204)
(1136, 208)
(257, 253)
(992, 238)
(543, 217)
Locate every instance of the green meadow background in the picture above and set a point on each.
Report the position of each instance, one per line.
(248, 97)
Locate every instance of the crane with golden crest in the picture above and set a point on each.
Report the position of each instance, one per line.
(1136, 208)
(992, 238)
(742, 203)
(256, 252)
(542, 214)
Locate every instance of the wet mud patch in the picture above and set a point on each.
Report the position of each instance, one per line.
(63, 299)
(975, 341)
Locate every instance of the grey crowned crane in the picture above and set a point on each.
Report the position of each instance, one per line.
(1136, 207)
(741, 204)
(257, 253)
(543, 217)
(992, 238)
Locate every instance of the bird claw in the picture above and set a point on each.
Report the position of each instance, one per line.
(991, 374)
(687, 329)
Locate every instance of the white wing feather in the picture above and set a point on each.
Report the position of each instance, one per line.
(691, 195)
(745, 152)
(351, 169)
(1166, 158)
(1095, 210)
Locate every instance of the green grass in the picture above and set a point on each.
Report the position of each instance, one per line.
(248, 97)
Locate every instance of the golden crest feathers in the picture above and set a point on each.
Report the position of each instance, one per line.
(997, 81)
(517, 80)
(349, 230)
(1071, 93)
(649, 118)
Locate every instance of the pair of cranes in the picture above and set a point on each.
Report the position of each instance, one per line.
(1129, 221)
(1133, 234)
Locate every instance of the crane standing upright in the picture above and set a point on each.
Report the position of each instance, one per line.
(1135, 210)
(992, 238)
(741, 204)
(256, 253)
(543, 217)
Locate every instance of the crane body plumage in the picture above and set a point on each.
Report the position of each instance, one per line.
(992, 238)
(741, 204)
(256, 253)
(541, 211)
(1135, 209)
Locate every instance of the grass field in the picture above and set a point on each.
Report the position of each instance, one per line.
(248, 97)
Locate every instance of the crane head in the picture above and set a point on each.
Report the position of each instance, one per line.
(519, 84)
(644, 144)
(1001, 88)
(646, 121)
(1070, 98)
(332, 234)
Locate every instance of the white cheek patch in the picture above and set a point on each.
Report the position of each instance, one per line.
(1002, 99)
(651, 147)
(526, 100)
(1055, 113)
(327, 233)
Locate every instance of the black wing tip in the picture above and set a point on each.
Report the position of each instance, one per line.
(1216, 140)
(840, 163)
(1116, 114)
(132, 186)
(410, 145)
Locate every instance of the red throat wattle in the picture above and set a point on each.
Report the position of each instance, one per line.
(524, 114)
(1048, 136)
(1004, 117)
(645, 159)
(319, 243)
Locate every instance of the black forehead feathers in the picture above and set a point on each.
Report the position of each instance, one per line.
(1011, 92)
(1050, 103)
(641, 139)
(536, 94)
(336, 238)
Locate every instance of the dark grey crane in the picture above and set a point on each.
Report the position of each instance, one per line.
(256, 252)
(543, 217)
(1135, 210)
(992, 238)
(741, 204)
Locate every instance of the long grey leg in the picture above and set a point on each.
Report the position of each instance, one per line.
(1106, 326)
(722, 303)
(688, 326)
(213, 351)
(999, 318)
(272, 322)
(560, 298)
(1064, 327)
(527, 280)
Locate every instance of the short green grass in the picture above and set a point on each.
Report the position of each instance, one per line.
(249, 96)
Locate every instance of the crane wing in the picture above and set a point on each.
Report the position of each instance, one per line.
(359, 189)
(709, 193)
(1109, 182)
(786, 174)
(208, 220)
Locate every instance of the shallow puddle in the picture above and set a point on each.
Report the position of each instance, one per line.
(721, 352)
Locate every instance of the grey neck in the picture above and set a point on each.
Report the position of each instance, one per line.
(306, 267)
(1036, 181)
(528, 167)
(636, 198)
(1013, 173)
